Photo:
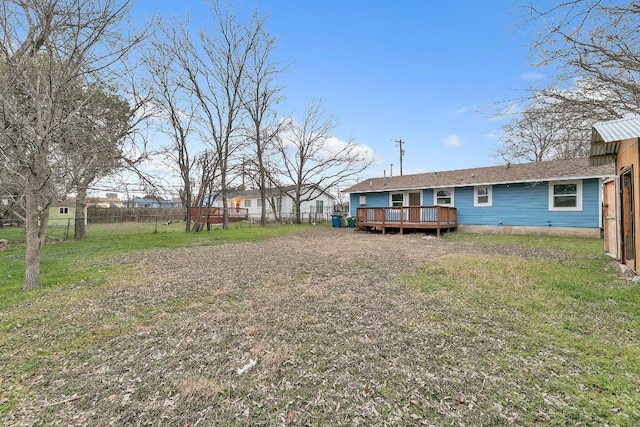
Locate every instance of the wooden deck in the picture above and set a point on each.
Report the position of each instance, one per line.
(407, 217)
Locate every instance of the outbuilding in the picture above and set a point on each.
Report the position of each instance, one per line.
(616, 142)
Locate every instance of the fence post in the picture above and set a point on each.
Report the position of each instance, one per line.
(66, 237)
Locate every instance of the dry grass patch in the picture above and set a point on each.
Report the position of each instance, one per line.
(331, 327)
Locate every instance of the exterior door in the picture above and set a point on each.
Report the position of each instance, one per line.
(627, 217)
(414, 207)
(610, 217)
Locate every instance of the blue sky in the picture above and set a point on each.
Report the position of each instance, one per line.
(428, 72)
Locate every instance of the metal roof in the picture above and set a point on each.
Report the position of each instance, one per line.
(616, 130)
(606, 137)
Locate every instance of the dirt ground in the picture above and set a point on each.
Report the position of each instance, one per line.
(311, 329)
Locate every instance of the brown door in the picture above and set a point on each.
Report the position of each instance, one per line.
(414, 207)
(610, 217)
(627, 216)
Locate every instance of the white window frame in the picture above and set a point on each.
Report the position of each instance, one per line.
(489, 195)
(435, 196)
(363, 200)
(402, 203)
(405, 197)
(63, 211)
(247, 203)
(577, 207)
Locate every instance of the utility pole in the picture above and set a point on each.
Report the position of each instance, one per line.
(400, 142)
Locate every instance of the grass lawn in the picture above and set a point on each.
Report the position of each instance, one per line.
(295, 327)
(67, 261)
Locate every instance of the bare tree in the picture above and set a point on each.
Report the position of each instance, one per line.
(261, 94)
(594, 45)
(46, 47)
(312, 160)
(548, 129)
(216, 75)
(175, 107)
(593, 41)
(91, 142)
(207, 164)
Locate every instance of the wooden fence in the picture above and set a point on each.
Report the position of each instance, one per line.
(96, 215)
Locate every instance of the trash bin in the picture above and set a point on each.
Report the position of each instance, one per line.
(336, 220)
(351, 222)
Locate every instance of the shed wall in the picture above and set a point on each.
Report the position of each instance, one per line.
(629, 156)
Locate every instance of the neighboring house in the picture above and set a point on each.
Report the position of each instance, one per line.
(616, 142)
(111, 201)
(64, 212)
(152, 203)
(560, 197)
(280, 202)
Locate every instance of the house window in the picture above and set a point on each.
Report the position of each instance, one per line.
(483, 196)
(319, 206)
(443, 196)
(565, 196)
(247, 203)
(259, 203)
(363, 200)
(397, 199)
(63, 211)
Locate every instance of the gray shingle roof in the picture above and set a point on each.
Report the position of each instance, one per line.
(554, 170)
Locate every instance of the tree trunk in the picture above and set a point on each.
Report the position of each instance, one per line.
(186, 202)
(298, 213)
(33, 242)
(225, 212)
(79, 229)
(263, 210)
(263, 190)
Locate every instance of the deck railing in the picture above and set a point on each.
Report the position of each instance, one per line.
(401, 217)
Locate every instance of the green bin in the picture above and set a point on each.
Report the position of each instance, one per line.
(351, 222)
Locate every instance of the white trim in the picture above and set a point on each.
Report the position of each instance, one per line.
(394, 194)
(405, 197)
(489, 195)
(435, 196)
(576, 208)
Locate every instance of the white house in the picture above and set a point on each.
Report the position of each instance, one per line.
(281, 202)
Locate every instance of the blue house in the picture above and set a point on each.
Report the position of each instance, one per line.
(559, 197)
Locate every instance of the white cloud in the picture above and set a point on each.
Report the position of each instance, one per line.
(460, 111)
(494, 134)
(333, 146)
(452, 140)
(531, 76)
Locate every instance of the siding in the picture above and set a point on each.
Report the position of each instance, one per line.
(517, 204)
(56, 218)
(286, 208)
(374, 200)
